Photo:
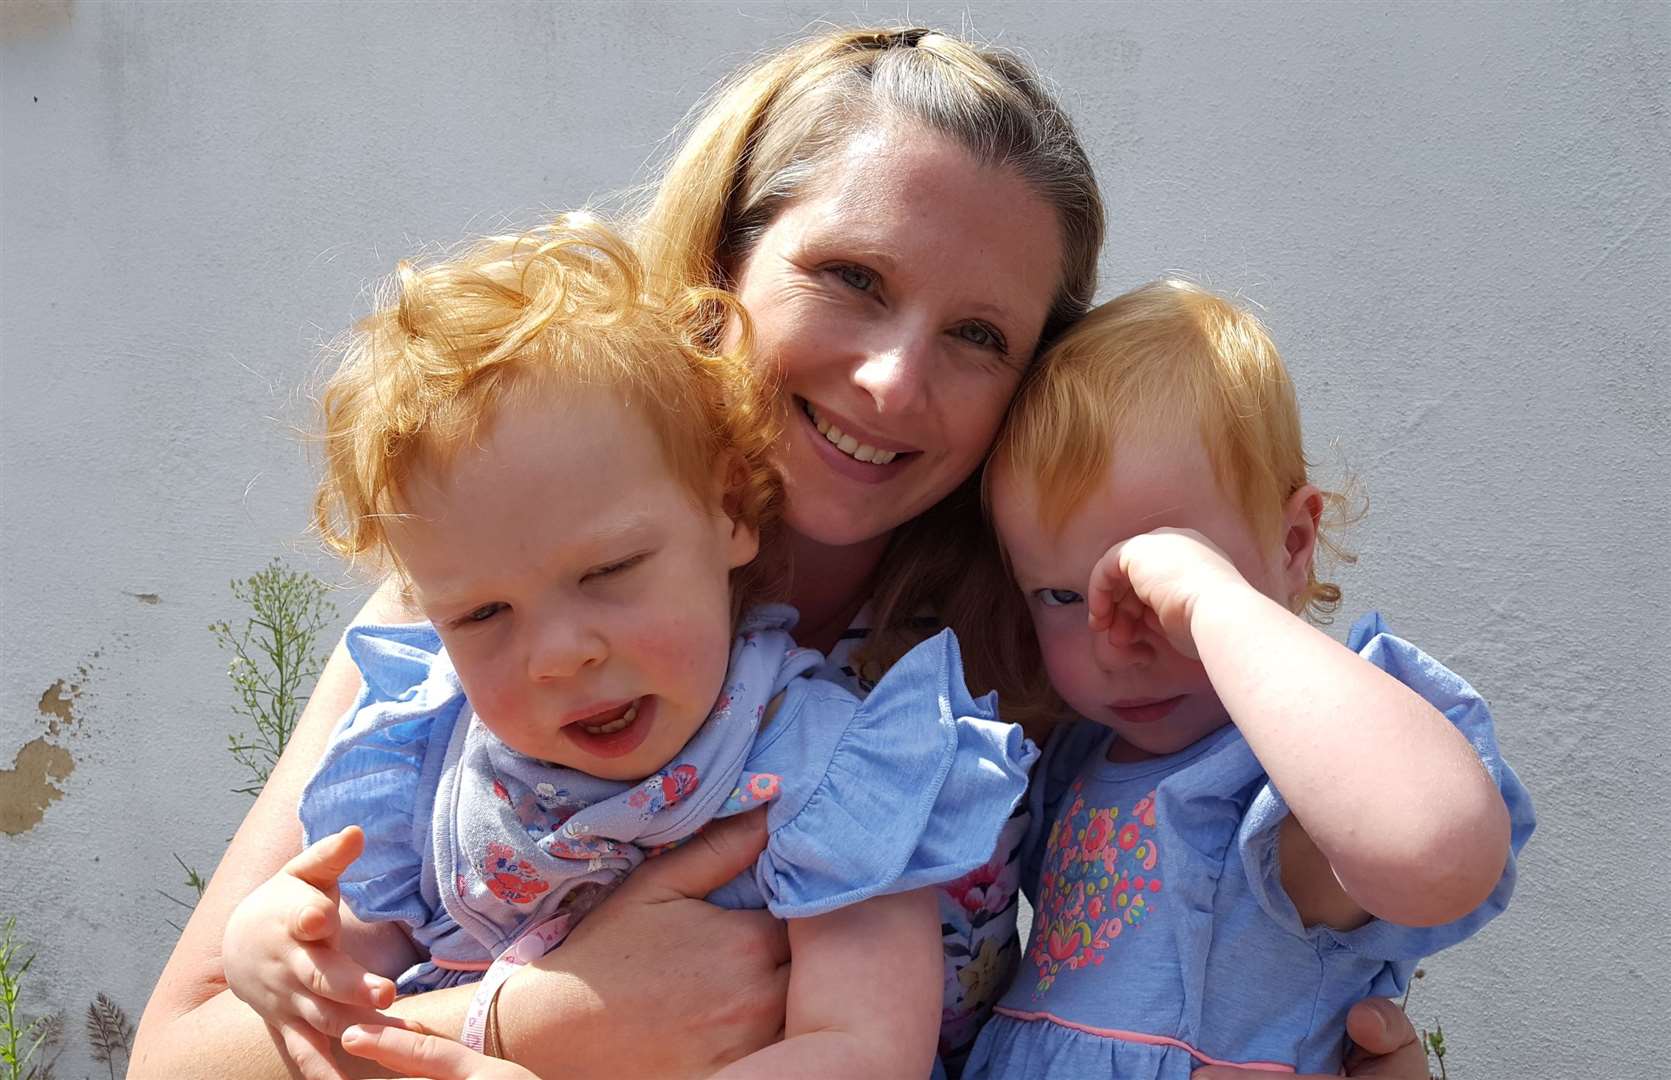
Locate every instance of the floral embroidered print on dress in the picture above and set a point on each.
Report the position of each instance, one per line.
(1096, 881)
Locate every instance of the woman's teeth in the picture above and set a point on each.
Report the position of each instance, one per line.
(612, 726)
(848, 445)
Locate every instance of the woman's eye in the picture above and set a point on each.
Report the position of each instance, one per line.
(982, 335)
(1057, 597)
(857, 277)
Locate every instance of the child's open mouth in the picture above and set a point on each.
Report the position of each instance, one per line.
(616, 731)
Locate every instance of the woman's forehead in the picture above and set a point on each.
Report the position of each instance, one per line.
(923, 204)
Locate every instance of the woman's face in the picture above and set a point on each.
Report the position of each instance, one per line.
(901, 298)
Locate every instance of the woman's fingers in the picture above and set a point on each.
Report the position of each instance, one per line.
(721, 851)
(1387, 1045)
(430, 1056)
(309, 1052)
(323, 862)
(1387, 1048)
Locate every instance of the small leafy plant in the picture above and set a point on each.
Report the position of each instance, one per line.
(276, 657)
(275, 660)
(1433, 1042)
(26, 1045)
(110, 1032)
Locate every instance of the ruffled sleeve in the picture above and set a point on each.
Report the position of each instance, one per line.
(1462, 706)
(380, 768)
(910, 787)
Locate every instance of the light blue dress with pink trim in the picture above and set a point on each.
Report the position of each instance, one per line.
(469, 842)
(1162, 938)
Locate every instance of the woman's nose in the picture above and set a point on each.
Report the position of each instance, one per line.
(895, 369)
(564, 649)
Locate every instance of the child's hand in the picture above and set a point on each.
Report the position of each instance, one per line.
(414, 1054)
(1153, 581)
(280, 952)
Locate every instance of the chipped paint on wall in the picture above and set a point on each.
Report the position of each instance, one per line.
(58, 701)
(32, 784)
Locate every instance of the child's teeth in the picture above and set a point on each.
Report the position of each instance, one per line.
(615, 725)
(847, 444)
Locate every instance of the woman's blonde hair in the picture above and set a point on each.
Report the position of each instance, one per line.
(509, 318)
(760, 140)
(1165, 355)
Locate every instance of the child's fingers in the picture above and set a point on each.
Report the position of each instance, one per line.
(315, 919)
(333, 976)
(1109, 585)
(326, 859)
(425, 1055)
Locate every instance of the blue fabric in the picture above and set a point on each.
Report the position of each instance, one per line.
(909, 788)
(1160, 908)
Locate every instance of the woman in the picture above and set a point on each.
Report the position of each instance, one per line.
(907, 219)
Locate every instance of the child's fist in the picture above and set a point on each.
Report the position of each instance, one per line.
(1151, 582)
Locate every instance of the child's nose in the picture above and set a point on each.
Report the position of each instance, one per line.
(563, 650)
(1120, 648)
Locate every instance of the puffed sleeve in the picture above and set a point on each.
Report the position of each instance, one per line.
(1462, 706)
(915, 784)
(380, 768)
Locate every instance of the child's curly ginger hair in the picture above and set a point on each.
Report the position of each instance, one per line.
(511, 318)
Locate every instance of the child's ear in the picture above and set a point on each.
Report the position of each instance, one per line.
(732, 477)
(1300, 517)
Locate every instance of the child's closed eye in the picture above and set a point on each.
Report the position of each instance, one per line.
(615, 569)
(1057, 597)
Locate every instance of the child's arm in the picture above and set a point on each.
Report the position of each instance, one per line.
(304, 965)
(864, 993)
(1402, 817)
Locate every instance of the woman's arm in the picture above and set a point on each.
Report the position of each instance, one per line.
(669, 985)
(865, 996)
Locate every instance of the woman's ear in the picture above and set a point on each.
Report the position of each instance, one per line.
(1301, 515)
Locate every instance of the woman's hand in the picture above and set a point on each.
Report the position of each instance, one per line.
(657, 982)
(1386, 1047)
(414, 1054)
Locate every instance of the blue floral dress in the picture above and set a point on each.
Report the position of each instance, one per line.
(470, 842)
(1162, 938)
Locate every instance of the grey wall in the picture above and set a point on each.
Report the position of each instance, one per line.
(1455, 218)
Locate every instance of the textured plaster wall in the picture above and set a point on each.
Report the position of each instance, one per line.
(1457, 221)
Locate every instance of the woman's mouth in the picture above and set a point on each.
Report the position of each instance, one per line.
(850, 452)
(615, 731)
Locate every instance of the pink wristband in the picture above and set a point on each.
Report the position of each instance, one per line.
(534, 943)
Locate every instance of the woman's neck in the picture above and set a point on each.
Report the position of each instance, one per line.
(830, 585)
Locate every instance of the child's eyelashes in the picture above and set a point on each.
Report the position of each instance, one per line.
(1057, 597)
(615, 569)
(481, 614)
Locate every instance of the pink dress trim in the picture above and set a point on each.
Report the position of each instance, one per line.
(1146, 1039)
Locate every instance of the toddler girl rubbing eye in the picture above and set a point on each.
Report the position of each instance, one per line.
(574, 483)
(1249, 827)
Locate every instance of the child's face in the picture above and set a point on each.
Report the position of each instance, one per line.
(1157, 700)
(582, 594)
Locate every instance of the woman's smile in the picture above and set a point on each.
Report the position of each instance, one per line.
(854, 453)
